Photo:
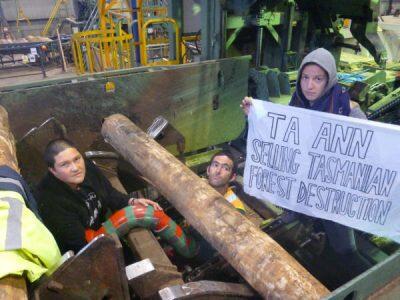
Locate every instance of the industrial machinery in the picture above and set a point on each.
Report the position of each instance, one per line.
(192, 110)
(278, 34)
(54, 12)
(127, 35)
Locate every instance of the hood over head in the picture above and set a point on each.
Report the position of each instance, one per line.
(334, 99)
(326, 61)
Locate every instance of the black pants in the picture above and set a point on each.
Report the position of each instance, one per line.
(341, 239)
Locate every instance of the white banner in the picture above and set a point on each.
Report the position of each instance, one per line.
(324, 165)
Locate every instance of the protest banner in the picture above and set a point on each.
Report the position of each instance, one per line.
(325, 165)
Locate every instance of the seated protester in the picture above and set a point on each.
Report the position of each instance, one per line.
(221, 172)
(74, 196)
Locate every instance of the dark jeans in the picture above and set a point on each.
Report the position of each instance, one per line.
(342, 240)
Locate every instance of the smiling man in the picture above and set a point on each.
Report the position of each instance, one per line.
(75, 196)
(221, 172)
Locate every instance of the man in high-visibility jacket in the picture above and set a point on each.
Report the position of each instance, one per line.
(221, 172)
(26, 246)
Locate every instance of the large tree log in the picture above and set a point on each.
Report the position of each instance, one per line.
(7, 143)
(259, 259)
(11, 287)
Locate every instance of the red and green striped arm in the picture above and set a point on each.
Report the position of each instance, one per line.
(123, 220)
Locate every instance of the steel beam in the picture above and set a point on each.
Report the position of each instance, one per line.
(211, 29)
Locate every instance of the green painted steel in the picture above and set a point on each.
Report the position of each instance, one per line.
(384, 105)
(200, 101)
(365, 284)
(200, 158)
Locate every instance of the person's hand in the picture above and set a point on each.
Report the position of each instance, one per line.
(145, 202)
(246, 103)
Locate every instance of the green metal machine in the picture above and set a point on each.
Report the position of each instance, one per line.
(200, 103)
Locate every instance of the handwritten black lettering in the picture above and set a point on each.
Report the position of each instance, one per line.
(355, 140)
(354, 175)
(274, 126)
(269, 181)
(292, 130)
(339, 202)
(276, 157)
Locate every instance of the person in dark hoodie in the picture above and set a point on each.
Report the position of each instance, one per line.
(317, 88)
(75, 196)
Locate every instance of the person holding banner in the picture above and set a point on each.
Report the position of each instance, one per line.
(317, 88)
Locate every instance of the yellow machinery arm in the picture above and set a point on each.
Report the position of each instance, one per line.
(53, 14)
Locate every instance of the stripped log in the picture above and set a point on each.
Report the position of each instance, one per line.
(266, 266)
(8, 154)
(11, 287)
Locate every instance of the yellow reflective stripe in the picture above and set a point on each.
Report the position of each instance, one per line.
(13, 232)
(13, 238)
(15, 182)
(233, 199)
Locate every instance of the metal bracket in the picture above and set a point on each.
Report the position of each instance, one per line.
(157, 127)
(207, 289)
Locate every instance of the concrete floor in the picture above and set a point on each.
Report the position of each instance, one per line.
(27, 74)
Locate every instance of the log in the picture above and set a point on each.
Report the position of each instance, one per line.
(266, 266)
(11, 287)
(8, 154)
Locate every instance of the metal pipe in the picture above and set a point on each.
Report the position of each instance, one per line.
(266, 266)
(290, 26)
(260, 35)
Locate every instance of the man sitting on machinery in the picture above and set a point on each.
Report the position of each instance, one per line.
(221, 173)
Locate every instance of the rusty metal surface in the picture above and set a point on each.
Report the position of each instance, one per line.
(145, 245)
(96, 272)
(200, 101)
(31, 147)
(208, 290)
(266, 266)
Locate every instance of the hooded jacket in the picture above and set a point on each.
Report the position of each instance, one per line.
(334, 99)
(63, 209)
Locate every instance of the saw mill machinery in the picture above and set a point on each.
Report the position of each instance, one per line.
(178, 116)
